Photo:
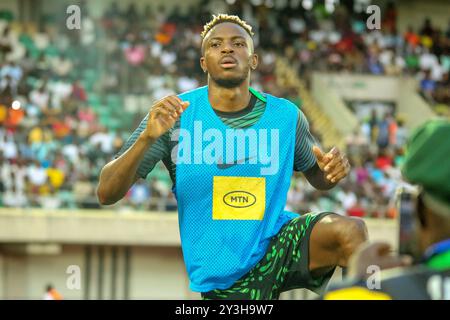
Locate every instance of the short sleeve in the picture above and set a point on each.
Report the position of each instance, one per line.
(158, 151)
(304, 158)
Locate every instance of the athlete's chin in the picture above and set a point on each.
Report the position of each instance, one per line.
(230, 82)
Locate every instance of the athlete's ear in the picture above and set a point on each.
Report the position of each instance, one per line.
(254, 61)
(203, 64)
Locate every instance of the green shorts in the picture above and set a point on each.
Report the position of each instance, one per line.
(285, 266)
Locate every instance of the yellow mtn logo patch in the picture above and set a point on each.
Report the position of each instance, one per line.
(239, 199)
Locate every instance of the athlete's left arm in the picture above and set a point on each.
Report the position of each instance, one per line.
(323, 171)
(317, 179)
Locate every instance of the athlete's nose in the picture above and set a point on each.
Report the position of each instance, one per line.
(227, 49)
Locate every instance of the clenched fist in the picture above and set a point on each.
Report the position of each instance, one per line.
(163, 115)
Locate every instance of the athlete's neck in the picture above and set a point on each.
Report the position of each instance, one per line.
(228, 99)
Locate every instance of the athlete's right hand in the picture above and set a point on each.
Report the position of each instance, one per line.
(163, 115)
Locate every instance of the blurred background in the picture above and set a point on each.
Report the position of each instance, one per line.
(70, 97)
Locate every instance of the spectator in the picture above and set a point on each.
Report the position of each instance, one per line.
(51, 293)
(383, 132)
(427, 29)
(40, 98)
(373, 123)
(401, 134)
(347, 198)
(37, 176)
(135, 53)
(14, 72)
(9, 147)
(428, 86)
(14, 198)
(140, 193)
(83, 192)
(356, 210)
(6, 42)
(383, 161)
(104, 140)
(411, 38)
(50, 201)
(61, 66)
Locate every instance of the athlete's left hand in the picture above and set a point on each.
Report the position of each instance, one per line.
(334, 164)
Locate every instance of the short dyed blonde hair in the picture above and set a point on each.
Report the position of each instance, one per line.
(225, 18)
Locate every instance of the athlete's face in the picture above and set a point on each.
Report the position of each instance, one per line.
(227, 55)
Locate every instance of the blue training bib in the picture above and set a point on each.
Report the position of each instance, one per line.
(231, 187)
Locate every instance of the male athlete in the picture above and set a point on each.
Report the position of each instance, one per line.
(230, 152)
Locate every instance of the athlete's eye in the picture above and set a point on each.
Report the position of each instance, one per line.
(239, 44)
(215, 44)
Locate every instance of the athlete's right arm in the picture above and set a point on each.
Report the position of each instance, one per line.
(120, 174)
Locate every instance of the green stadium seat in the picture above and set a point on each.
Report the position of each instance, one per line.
(6, 15)
(32, 82)
(113, 124)
(94, 99)
(51, 51)
(103, 111)
(161, 174)
(113, 100)
(34, 52)
(27, 41)
(412, 61)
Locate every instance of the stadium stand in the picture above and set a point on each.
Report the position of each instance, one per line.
(67, 102)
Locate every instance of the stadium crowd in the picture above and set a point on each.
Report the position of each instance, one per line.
(340, 41)
(69, 99)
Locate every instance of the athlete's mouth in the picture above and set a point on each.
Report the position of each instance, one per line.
(228, 62)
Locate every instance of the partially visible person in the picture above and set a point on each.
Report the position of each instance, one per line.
(426, 166)
(51, 293)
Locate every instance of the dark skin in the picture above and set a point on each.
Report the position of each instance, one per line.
(433, 227)
(230, 40)
(329, 169)
(333, 238)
